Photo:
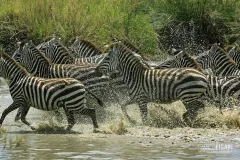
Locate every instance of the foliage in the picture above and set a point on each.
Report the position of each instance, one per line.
(142, 22)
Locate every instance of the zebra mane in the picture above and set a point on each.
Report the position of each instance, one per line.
(125, 50)
(129, 45)
(222, 51)
(6, 57)
(227, 48)
(88, 43)
(192, 60)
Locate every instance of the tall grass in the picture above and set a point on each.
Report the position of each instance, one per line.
(102, 20)
(96, 20)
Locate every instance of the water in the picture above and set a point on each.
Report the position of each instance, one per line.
(139, 142)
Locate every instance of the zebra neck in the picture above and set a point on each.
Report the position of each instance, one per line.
(14, 75)
(131, 73)
(225, 69)
(40, 69)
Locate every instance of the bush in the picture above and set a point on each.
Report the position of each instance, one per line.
(149, 24)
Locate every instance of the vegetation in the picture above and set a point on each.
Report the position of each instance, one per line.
(152, 25)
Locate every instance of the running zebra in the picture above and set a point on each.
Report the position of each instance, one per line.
(219, 61)
(120, 90)
(152, 85)
(82, 48)
(221, 89)
(37, 64)
(43, 94)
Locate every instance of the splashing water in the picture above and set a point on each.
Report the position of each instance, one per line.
(117, 126)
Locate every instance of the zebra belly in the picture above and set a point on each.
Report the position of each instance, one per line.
(53, 95)
(169, 88)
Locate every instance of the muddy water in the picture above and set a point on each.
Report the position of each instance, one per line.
(119, 139)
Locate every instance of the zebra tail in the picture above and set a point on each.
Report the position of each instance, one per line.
(100, 102)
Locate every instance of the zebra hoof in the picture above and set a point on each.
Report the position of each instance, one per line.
(33, 128)
(17, 118)
(96, 130)
(133, 122)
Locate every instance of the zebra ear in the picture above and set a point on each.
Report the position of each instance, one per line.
(19, 44)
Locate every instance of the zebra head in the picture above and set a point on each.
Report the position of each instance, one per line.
(32, 57)
(56, 52)
(110, 63)
(49, 47)
(17, 54)
(205, 60)
(26, 57)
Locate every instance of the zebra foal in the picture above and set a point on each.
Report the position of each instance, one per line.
(152, 85)
(44, 94)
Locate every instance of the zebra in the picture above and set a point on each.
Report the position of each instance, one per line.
(44, 94)
(152, 85)
(219, 61)
(82, 48)
(220, 88)
(37, 64)
(119, 89)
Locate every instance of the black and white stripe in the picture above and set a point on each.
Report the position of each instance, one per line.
(219, 61)
(38, 65)
(221, 89)
(44, 94)
(152, 85)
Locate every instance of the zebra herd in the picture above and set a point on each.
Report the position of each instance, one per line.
(51, 76)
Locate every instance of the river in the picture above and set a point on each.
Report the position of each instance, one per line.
(118, 139)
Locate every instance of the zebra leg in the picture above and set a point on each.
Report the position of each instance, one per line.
(58, 115)
(192, 109)
(92, 113)
(70, 119)
(24, 112)
(18, 115)
(143, 111)
(124, 110)
(11, 108)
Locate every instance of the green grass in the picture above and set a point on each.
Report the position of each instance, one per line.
(101, 20)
